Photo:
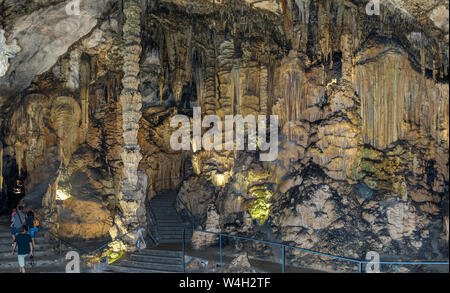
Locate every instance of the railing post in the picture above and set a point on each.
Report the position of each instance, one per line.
(360, 267)
(182, 248)
(220, 245)
(282, 258)
(60, 248)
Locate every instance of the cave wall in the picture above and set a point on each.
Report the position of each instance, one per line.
(362, 103)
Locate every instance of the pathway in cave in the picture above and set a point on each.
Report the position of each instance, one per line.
(45, 258)
(166, 257)
(170, 224)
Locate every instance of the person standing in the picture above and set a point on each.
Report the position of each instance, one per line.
(18, 222)
(25, 247)
(30, 223)
(14, 211)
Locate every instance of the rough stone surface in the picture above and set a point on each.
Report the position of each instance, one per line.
(202, 240)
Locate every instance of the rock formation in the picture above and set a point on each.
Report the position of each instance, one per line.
(134, 183)
(362, 103)
(6, 52)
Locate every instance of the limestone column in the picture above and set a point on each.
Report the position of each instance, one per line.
(133, 187)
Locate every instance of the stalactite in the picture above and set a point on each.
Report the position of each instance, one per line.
(19, 149)
(161, 85)
(434, 69)
(395, 100)
(73, 78)
(264, 92)
(225, 60)
(85, 76)
(209, 99)
(422, 60)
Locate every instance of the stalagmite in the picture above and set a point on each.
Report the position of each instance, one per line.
(134, 182)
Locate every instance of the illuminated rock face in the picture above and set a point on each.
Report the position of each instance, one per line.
(203, 240)
(36, 32)
(7, 51)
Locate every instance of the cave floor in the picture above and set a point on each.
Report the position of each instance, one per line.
(211, 254)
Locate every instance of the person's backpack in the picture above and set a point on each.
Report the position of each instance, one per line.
(36, 222)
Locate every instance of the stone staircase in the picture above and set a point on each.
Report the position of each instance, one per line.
(170, 224)
(149, 261)
(167, 256)
(45, 258)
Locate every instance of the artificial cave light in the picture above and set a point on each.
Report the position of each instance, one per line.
(259, 209)
(61, 195)
(221, 179)
(114, 256)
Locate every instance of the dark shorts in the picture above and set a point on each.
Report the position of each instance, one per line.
(33, 231)
(15, 231)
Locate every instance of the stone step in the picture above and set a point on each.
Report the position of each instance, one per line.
(8, 239)
(173, 221)
(11, 263)
(156, 259)
(170, 220)
(171, 239)
(37, 253)
(171, 228)
(38, 247)
(125, 269)
(173, 231)
(152, 265)
(50, 269)
(157, 252)
(162, 204)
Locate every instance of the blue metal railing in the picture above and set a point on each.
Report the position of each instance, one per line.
(284, 246)
(152, 222)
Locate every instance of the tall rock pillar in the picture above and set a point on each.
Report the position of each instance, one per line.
(134, 182)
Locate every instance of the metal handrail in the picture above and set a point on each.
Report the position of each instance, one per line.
(283, 246)
(63, 241)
